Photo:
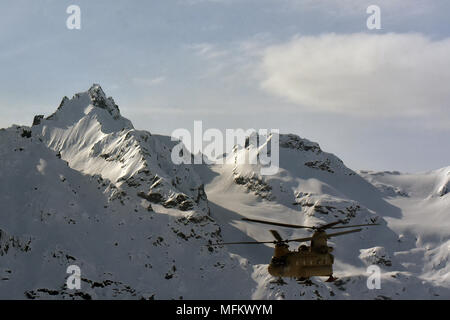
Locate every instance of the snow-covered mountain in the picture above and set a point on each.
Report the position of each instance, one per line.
(83, 187)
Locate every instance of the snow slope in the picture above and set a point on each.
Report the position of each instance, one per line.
(425, 202)
(83, 187)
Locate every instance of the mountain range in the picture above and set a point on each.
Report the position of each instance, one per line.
(84, 187)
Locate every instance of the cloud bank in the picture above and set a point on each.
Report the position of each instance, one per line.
(361, 74)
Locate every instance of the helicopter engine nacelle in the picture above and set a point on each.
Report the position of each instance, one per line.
(281, 250)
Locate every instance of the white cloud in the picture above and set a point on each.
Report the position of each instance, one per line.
(361, 74)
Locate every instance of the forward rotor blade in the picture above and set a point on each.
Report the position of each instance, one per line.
(342, 233)
(276, 235)
(278, 224)
(299, 240)
(243, 242)
(356, 225)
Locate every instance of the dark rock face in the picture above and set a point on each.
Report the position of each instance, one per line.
(180, 201)
(444, 189)
(320, 165)
(152, 197)
(100, 100)
(91, 287)
(8, 243)
(292, 141)
(201, 194)
(26, 133)
(255, 185)
(37, 120)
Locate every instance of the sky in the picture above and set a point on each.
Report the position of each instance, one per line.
(378, 99)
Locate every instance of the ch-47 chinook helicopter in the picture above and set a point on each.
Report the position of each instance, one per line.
(307, 261)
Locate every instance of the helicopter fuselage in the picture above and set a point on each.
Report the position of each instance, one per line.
(300, 264)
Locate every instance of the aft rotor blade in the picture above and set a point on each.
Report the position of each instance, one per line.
(243, 242)
(356, 225)
(329, 225)
(276, 235)
(342, 233)
(278, 224)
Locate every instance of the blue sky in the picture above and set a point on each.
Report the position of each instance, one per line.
(378, 99)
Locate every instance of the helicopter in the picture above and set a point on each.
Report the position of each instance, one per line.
(306, 261)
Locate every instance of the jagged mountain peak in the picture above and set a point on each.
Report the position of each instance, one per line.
(100, 100)
(90, 104)
(91, 135)
(96, 90)
(286, 140)
(293, 141)
(291, 146)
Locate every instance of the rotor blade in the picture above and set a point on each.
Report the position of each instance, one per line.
(341, 233)
(276, 235)
(356, 225)
(243, 242)
(329, 225)
(299, 240)
(278, 224)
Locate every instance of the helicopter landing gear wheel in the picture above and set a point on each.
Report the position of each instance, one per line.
(331, 279)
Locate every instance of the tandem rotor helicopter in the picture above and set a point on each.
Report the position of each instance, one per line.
(307, 261)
